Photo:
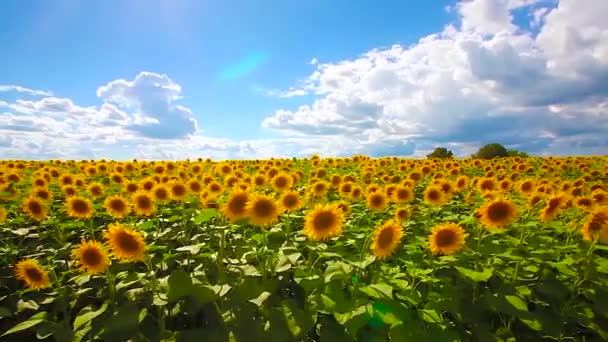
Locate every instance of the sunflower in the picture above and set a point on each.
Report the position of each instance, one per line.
(584, 202)
(143, 203)
(32, 273)
(42, 193)
(356, 194)
(195, 186)
(69, 190)
(386, 239)
(262, 209)
(34, 208)
(215, 188)
(79, 207)
(497, 214)
(148, 184)
(3, 215)
(344, 206)
(95, 190)
(177, 191)
(377, 200)
(402, 214)
(403, 194)
(235, 208)
(434, 196)
(117, 206)
(447, 238)
(554, 204)
(290, 201)
(461, 183)
(160, 193)
(596, 225)
(319, 188)
(282, 182)
(125, 243)
(130, 187)
(323, 222)
(346, 188)
(91, 257)
(486, 184)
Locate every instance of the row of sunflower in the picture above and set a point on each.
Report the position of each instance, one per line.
(384, 207)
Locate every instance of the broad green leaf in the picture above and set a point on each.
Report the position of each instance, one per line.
(533, 324)
(88, 316)
(205, 216)
(123, 325)
(430, 316)
(517, 302)
(180, 285)
(379, 290)
(32, 321)
(475, 275)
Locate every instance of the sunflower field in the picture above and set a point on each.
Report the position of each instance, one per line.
(311, 249)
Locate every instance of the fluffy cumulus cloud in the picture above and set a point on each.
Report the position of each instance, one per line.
(485, 79)
(140, 111)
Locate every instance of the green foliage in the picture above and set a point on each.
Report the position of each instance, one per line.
(491, 151)
(440, 153)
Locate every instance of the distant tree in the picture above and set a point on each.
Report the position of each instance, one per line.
(491, 151)
(441, 153)
(516, 153)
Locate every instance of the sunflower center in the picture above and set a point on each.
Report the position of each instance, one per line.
(161, 194)
(118, 205)
(347, 188)
(377, 200)
(237, 204)
(131, 187)
(433, 195)
(498, 211)
(445, 238)
(178, 190)
(280, 182)
(290, 201)
(144, 202)
(128, 243)
(385, 238)
(33, 274)
(80, 206)
(263, 208)
(34, 207)
(324, 221)
(91, 257)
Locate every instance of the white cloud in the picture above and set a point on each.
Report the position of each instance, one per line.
(20, 89)
(487, 80)
(152, 97)
(486, 16)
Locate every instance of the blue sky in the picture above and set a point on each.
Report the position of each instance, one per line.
(239, 79)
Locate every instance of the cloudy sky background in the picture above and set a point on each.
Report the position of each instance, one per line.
(175, 79)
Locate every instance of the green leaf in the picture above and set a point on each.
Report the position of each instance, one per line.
(180, 285)
(202, 294)
(32, 321)
(431, 316)
(517, 302)
(123, 325)
(88, 316)
(193, 249)
(378, 290)
(475, 275)
(533, 324)
(261, 298)
(205, 216)
(5, 312)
